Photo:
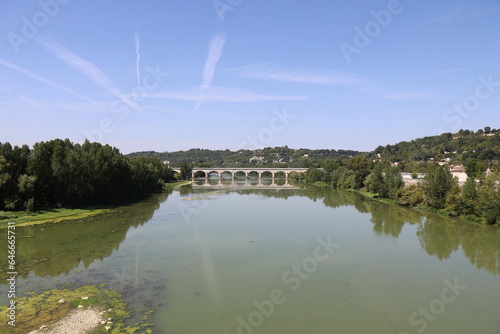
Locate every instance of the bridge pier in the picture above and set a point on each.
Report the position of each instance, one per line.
(245, 170)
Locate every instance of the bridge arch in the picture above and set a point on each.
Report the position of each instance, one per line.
(267, 174)
(228, 174)
(213, 174)
(253, 174)
(199, 174)
(239, 174)
(280, 175)
(244, 172)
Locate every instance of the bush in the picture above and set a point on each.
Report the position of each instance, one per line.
(411, 196)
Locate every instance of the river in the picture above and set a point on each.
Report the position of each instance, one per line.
(265, 257)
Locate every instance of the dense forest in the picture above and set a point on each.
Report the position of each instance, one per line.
(267, 157)
(482, 145)
(58, 173)
(464, 147)
(478, 199)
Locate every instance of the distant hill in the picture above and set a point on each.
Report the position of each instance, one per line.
(482, 145)
(267, 157)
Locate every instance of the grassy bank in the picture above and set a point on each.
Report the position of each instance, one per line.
(46, 309)
(375, 197)
(424, 208)
(170, 186)
(23, 218)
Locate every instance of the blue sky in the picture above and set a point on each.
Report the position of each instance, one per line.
(229, 74)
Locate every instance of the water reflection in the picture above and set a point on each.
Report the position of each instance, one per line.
(438, 235)
(480, 243)
(57, 249)
(52, 250)
(251, 182)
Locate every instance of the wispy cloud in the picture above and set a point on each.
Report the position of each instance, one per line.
(451, 70)
(215, 48)
(207, 113)
(45, 81)
(214, 53)
(31, 102)
(5, 89)
(85, 67)
(138, 57)
(270, 72)
(21, 101)
(221, 94)
(458, 13)
(417, 95)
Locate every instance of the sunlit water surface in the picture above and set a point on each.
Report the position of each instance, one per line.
(255, 257)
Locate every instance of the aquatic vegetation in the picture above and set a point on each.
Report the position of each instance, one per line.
(53, 216)
(196, 199)
(36, 310)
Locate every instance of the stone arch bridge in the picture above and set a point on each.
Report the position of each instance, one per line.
(247, 171)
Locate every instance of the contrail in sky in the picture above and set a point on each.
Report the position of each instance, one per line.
(138, 56)
(87, 68)
(214, 53)
(46, 81)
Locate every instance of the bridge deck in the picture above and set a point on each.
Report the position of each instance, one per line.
(245, 170)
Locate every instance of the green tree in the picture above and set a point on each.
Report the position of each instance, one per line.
(468, 198)
(452, 202)
(314, 175)
(474, 168)
(26, 187)
(436, 184)
(330, 165)
(394, 181)
(361, 167)
(411, 196)
(376, 181)
(186, 170)
(488, 201)
(13, 164)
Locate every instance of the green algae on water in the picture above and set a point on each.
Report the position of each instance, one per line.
(36, 310)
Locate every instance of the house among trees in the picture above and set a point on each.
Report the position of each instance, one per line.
(458, 171)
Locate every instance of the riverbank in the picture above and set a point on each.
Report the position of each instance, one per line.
(88, 308)
(23, 218)
(52, 216)
(472, 219)
(170, 186)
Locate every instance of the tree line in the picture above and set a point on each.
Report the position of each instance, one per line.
(266, 157)
(479, 149)
(482, 145)
(478, 198)
(59, 173)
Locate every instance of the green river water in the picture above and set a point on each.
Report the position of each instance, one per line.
(252, 257)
